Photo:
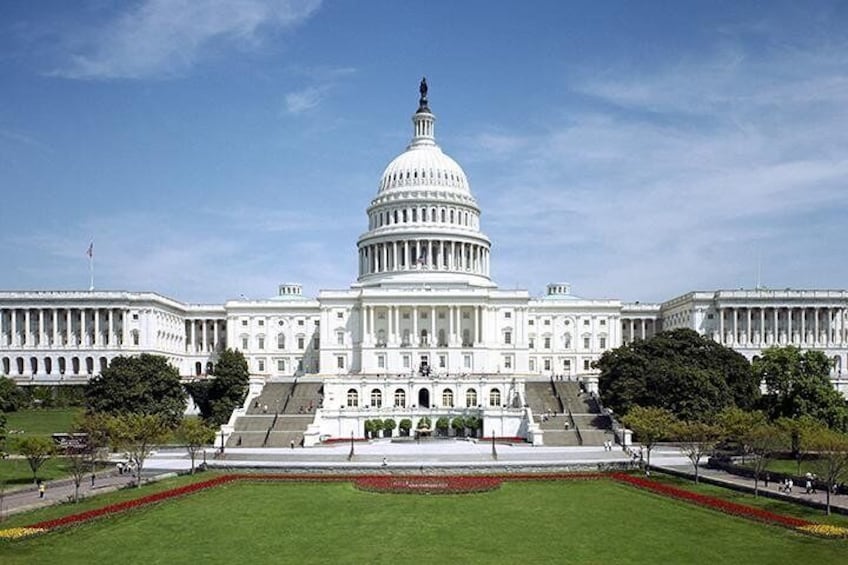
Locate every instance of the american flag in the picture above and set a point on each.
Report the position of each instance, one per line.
(90, 250)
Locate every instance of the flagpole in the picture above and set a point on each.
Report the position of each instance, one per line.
(90, 254)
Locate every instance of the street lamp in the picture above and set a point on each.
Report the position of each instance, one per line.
(222, 442)
(350, 455)
(494, 451)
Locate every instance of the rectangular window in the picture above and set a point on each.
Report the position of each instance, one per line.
(261, 322)
(315, 343)
(300, 364)
(531, 322)
(603, 343)
(466, 361)
(442, 361)
(300, 322)
(532, 364)
(260, 365)
(339, 338)
(508, 362)
(135, 316)
(301, 343)
(381, 361)
(586, 341)
(603, 322)
(547, 342)
(244, 322)
(406, 361)
(244, 344)
(586, 364)
(547, 322)
(508, 338)
(547, 364)
(261, 343)
(532, 343)
(340, 362)
(281, 365)
(339, 315)
(507, 315)
(585, 322)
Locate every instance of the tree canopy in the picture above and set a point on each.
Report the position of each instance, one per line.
(798, 384)
(680, 370)
(217, 397)
(146, 384)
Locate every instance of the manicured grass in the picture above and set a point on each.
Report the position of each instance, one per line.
(532, 522)
(40, 421)
(789, 466)
(15, 472)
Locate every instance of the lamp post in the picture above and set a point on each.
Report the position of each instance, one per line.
(494, 451)
(222, 442)
(350, 455)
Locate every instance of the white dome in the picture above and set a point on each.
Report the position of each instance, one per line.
(423, 166)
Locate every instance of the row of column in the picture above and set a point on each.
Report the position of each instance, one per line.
(68, 327)
(758, 326)
(416, 338)
(205, 336)
(638, 328)
(413, 215)
(410, 255)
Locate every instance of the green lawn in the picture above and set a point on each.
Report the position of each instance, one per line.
(789, 466)
(40, 421)
(15, 472)
(555, 522)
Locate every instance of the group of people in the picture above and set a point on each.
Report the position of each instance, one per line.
(608, 445)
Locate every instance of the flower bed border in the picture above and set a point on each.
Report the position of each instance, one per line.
(455, 484)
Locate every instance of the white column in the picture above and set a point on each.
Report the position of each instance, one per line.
(749, 335)
(803, 326)
(27, 328)
(762, 326)
(205, 347)
(193, 332)
(395, 266)
(721, 324)
(96, 326)
(2, 334)
(111, 330)
(215, 337)
(125, 330)
(42, 335)
(475, 313)
(642, 327)
(83, 334)
(13, 327)
(735, 325)
(816, 313)
(69, 325)
(451, 327)
(414, 341)
(55, 327)
(432, 325)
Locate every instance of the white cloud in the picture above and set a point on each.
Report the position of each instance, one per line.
(681, 179)
(303, 100)
(161, 38)
(323, 81)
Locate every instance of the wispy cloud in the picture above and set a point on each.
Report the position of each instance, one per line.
(681, 176)
(163, 38)
(322, 81)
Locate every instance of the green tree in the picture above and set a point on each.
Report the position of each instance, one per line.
(832, 463)
(735, 423)
(799, 431)
(762, 440)
(216, 398)
(146, 384)
(36, 450)
(650, 426)
(697, 439)
(376, 426)
(12, 397)
(798, 384)
(424, 423)
(405, 425)
(458, 424)
(442, 424)
(137, 434)
(679, 370)
(474, 423)
(388, 426)
(194, 434)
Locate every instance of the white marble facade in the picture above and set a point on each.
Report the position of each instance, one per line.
(423, 307)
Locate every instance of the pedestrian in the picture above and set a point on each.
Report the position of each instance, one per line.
(291, 443)
(385, 462)
(41, 489)
(92, 480)
(767, 479)
(809, 486)
(789, 483)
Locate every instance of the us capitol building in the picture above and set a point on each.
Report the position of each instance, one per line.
(424, 327)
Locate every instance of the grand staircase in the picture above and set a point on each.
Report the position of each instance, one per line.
(279, 416)
(566, 415)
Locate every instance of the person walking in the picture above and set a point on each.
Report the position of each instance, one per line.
(42, 488)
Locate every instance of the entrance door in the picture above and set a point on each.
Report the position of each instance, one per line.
(424, 398)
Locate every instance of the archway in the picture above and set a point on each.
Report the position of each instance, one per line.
(424, 398)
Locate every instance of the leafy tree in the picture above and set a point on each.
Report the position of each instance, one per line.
(12, 397)
(799, 431)
(679, 370)
(458, 424)
(376, 426)
(146, 384)
(798, 384)
(2, 435)
(442, 424)
(405, 425)
(137, 434)
(697, 440)
(36, 450)
(650, 426)
(424, 423)
(735, 423)
(388, 425)
(216, 398)
(474, 423)
(194, 434)
(81, 453)
(832, 463)
(762, 441)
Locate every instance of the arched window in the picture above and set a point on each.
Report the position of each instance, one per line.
(471, 398)
(198, 369)
(376, 398)
(447, 398)
(281, 341)
(352, 398)
(400, 398)
(495, 397)
(424, 337)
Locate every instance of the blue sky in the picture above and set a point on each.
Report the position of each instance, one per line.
(213, 149)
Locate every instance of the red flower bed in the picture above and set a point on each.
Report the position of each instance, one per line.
(461, 484)
(712, 502)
